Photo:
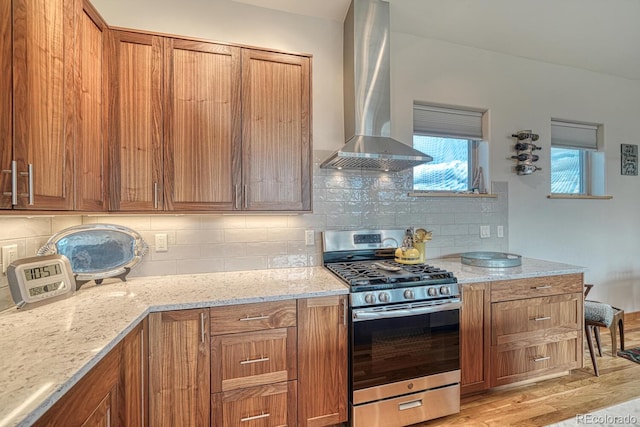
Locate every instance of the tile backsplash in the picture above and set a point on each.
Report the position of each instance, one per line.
(341, 200)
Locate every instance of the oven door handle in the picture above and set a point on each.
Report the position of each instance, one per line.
(360, 315)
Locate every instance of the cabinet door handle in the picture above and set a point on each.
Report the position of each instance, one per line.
(542, 358)
(249, 319)
(202, 337)
(255, 417)
(345, 307)
(541, 287)
(14, 182)
(410, 405)
(246, 197)
(235, 196)
(538, 319)
(29, 175)
(155, 195)
(250, 361)
(108, 417)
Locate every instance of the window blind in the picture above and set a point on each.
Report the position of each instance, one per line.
(447, 122)
(574, 135)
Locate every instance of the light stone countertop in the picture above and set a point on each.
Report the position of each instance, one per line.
(45, 350)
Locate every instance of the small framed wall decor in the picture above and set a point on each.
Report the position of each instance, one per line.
(628, 159)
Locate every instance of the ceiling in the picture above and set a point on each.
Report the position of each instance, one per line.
(597, 35)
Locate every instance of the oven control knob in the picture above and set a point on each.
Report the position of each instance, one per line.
(444, 290)
(408, 294)
(433, 292)
(383, 297)
(369, 298)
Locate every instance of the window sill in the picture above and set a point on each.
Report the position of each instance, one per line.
(577, 196)
(451, 194)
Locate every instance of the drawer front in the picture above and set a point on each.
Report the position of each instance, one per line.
(252, 317)
(536, 318)
(253, 358)
(507, 290)
(511, 364)
(409, 409)
(264, 406)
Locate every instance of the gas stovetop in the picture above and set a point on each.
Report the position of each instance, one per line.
(365, 261)
(388, 274)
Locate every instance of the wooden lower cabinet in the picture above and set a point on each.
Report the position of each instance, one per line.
(179, 368)
(536, 327)
(475, 341)
(261, 406)
(322, 361)
(113, 393)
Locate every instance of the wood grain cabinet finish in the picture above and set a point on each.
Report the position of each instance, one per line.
(135, 121)
(263, 406)
(536, 327)
(475, 337)
(113, 393)
(41, 40)
(91, 141)
(322, 361)
(179, 368)
(253, 317)
(276, 133)
(202, 125)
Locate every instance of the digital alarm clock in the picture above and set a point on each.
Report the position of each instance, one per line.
(40, 279)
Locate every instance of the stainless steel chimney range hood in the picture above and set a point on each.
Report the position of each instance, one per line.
(367, 95)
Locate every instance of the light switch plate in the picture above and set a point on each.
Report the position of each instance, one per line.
(161, 242)
(485, 231)
(9, 254)
(309, 238)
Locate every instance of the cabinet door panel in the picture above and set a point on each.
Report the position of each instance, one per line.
(179, 364)
(44, 33)
(322, 361)
(135, 114)
(90, 136)
(202, 125)
(475, 338)
(6, 103)
(276, 131)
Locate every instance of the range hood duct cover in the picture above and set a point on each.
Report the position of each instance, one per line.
(367, 95)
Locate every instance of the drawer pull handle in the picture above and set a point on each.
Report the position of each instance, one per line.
(542, 287)
(249, 361)
(410, 405)
(255, 417)
(538, 319)
(249, 319)
(542, 359)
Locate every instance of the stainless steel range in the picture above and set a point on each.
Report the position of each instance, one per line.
(404, 331)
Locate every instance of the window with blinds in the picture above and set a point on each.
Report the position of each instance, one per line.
(453, 137)
(573, 159)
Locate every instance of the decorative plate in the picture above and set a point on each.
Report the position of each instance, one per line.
(98, 251)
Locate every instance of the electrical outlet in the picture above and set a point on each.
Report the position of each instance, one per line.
(161, 243)
(309, 238)
(9, 254)
(500, 231)
(485, 231)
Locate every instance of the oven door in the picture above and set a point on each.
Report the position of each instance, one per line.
(401, 342)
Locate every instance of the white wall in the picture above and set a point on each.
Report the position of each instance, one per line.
(603, 235)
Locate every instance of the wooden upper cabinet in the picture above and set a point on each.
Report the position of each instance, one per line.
(135, 121)
(91, 143)
(276, 134)
(179, 368)
(44, 33)
(6, 103)
(201, 126)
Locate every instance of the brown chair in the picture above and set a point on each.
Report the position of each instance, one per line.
(599, 315)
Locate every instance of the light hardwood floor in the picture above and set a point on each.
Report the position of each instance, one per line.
(547, 402)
